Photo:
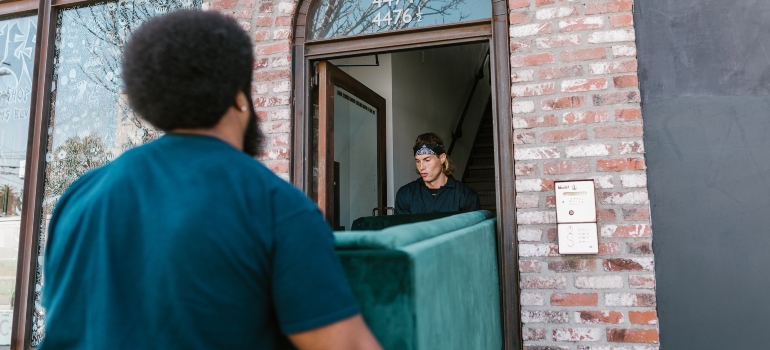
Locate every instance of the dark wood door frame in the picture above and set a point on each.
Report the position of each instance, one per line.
(495, 31)
(330, 76)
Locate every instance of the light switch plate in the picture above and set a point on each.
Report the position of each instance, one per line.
(575, 201)
(578, 238)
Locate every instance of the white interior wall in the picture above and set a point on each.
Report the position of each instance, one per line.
(431, 89)
(425, 91)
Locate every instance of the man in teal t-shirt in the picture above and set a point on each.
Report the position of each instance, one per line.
(187, 242)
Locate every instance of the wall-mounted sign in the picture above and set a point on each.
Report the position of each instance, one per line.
(339, 18)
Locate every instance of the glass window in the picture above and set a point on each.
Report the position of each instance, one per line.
(17, 50)
(90, 122)
(338, 18)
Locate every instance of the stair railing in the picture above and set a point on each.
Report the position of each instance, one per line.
(458, 133)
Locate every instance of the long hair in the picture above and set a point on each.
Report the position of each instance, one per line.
(433, 138)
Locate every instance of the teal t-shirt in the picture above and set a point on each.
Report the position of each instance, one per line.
(188, 243)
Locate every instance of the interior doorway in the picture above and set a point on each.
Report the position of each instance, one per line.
(446, 90)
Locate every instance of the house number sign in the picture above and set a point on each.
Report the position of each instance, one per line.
(395, 14)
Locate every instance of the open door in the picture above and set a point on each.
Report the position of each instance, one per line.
(351, 132)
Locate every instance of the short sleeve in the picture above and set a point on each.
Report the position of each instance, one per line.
(309, 289)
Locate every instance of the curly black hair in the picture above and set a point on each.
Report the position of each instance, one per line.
(184, 69)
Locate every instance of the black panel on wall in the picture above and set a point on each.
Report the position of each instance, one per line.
(705, 81)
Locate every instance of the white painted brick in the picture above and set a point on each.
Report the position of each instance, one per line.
(286, 7)
(519, 107)
(536, 217)
(612, 36)
(624, 51)
(544, 316)
(620, 299)
(528, 122)
(599, 282)
(545, 43)
(538, 250)
(567, 85)
(597, 21)
(634, 180)
(638, 230)
(260, 88)
(283, 86)
(645, 348)
(638, 197)
(557, 12)
(577, 334)
(536, 153)
(523, 76)
(530, 235)
(532, 299)
(532, 89)
(603, 181)
(635, 147)
(526, 201)
(608, 67)
(527, 29)
(590, 150)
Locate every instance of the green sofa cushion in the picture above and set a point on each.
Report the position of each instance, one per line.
(381, 222)
(402, 235)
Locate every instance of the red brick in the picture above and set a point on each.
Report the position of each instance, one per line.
(641, 281)
(580, 85)
(563, 102)
(605, 215)
(534, 122)
(520, 46)
(633, 335)
(270, 49)
(264, 21)
(619, 264)
(272, 75)
(620, 131)
(523, 169)
(636, 214)
(584, 54)
(260, 63)
(609, 7)
(577, 334)
(550, 202)
(628, 114)
(552, 234)
(559, 72)
(278, 166)
(273, 154)
(558, 41)
(536, 59)
(567, 167)
(529, 90)
(261, 116)
(614, 98)
(609, 248)
(266, 7)
(570, 299)
(635, 147)
(586, 117)
(643, 317)
(613, 67)
(544, 2)
(544, 282)
(515, 4)
(519, 17)
(527, 266)
(639, 247)
(572, 265)
(620, 164)
(261, 35)
(223, 4)
(244, 13)
(578, 24)
(599, 317)
(533, 29)
(249, 3)
(533, 334)
(625, 20)
(283, 21)
(565, 135)
(523, 138)
(626, 81)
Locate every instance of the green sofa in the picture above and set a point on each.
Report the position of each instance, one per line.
(427, 285)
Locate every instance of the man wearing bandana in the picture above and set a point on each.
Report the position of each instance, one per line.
(436, 190)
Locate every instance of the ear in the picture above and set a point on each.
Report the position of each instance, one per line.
(442, 158)
(241, 102)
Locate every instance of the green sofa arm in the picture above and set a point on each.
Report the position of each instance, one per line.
(440, 292)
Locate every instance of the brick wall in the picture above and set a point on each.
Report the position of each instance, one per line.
(576, 115)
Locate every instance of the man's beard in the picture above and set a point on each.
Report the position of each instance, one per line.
(252, 139)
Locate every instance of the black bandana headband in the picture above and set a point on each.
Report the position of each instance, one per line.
(429, 148)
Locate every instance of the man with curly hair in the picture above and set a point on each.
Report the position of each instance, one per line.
(187, 242)
(436, 190)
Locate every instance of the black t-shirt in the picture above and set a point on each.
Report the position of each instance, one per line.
(416, 198)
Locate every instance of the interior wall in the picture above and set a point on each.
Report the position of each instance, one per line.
(705, 83)
(431, 88)
(425, 91)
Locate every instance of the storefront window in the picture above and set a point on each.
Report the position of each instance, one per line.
(339, 18)
(90, 122)
(17, 50)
